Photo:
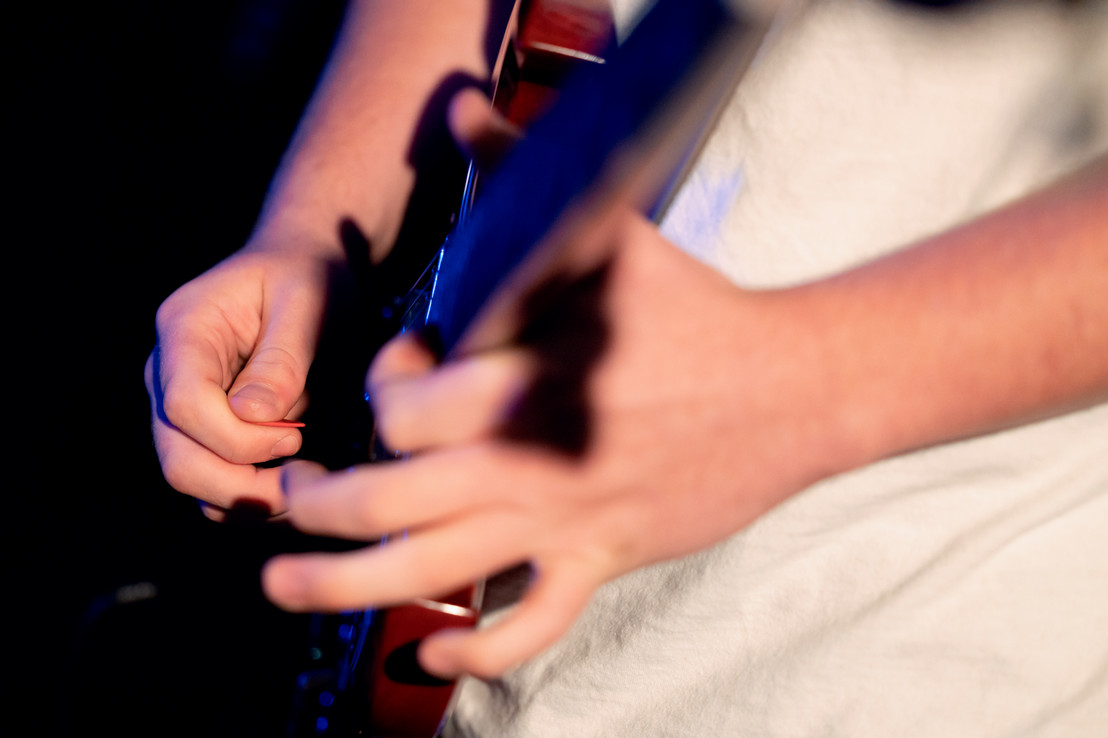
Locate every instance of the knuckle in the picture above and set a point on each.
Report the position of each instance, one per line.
(177, 407)
(278, 365)
(612, 544)
(234, 455)
(164, 314)
(148, 372)
(213, 513)
(169, 310)
(395, 425)
(177, 473)
(394, 438)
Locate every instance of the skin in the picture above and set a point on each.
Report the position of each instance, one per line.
(734, 400)
(705, 409)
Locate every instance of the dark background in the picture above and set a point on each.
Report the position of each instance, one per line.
(140, 137)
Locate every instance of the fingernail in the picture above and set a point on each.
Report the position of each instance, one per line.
(280, 583)
(437, 657)
(298, 473)
(439, 667)
(287, 446)
(254, 402)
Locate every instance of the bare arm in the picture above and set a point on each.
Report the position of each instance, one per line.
(997, 323)
(352, 154)
(235, 344)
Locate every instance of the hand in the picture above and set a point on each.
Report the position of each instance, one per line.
(233, 349)
(693, 409)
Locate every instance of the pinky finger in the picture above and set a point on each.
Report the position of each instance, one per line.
(556, 598)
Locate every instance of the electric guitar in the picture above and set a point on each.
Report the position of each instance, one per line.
(618, 133)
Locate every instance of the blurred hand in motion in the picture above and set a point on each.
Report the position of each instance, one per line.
(611, 431)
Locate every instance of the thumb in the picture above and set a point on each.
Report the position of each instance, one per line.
(270, 386)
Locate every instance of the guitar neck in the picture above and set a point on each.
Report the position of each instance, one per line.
(615, 137)
(545, 42)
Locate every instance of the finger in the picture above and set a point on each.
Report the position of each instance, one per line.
(372, 500)
(480, 131)
(407, 355)
(192, 469)
(556, 599)
(213, 512)
(457, 403)
(272, 381)
(427, 563)
(186, 385)
(269, 388)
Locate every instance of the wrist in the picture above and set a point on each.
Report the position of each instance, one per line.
(298, 229)
(833, 371)
(996, 323)
(848, 434)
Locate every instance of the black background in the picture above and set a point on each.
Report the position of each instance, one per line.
(140, 139)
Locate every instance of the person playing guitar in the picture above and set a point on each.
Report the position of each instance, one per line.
(772, 489)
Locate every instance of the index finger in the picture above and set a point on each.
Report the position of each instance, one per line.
(187, 388)
(193, 469)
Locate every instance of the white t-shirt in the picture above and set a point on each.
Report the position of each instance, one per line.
(957, 591)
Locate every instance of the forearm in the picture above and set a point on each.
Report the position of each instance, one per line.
(351, 155)
(997, 323)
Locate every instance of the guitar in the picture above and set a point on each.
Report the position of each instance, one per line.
(618, 135)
